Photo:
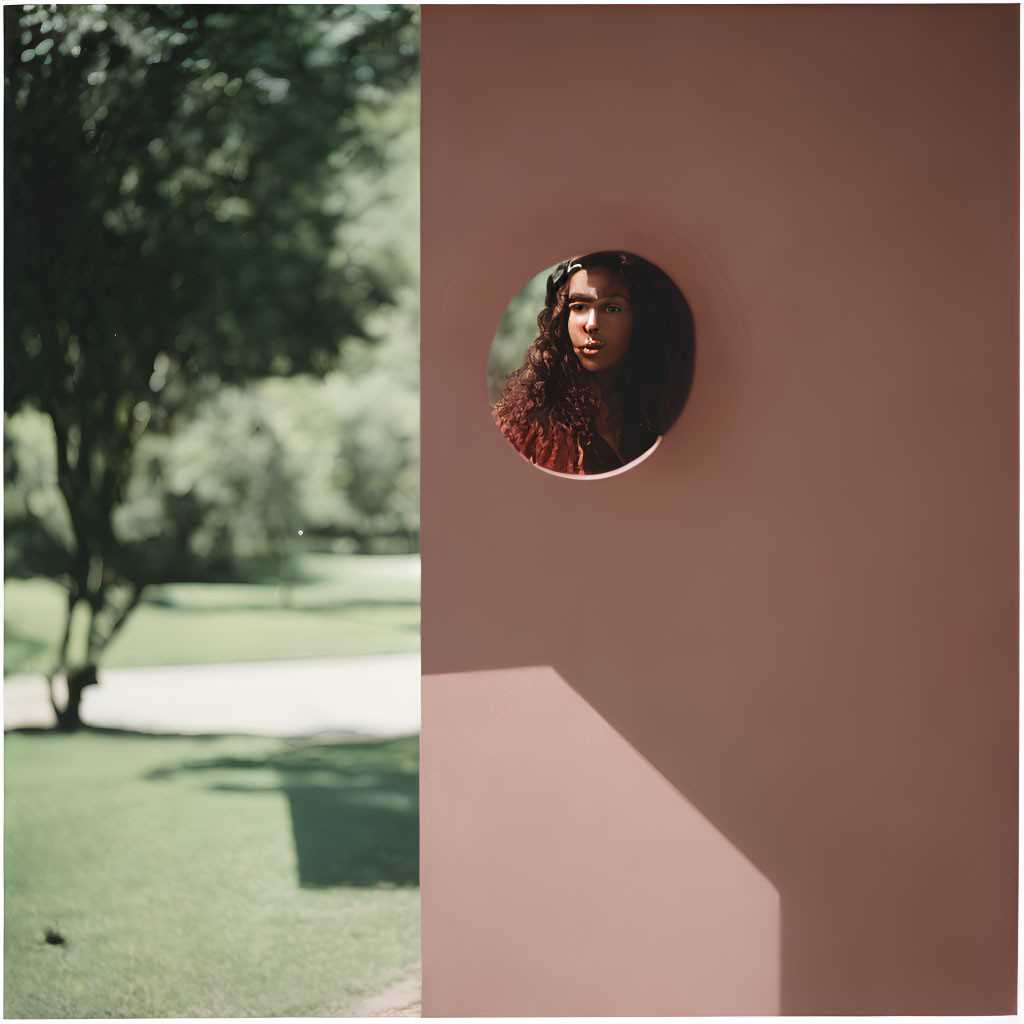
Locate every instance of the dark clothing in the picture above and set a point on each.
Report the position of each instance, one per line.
(552, 447)
(599, 456)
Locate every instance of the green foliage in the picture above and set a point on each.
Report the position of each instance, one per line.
(37, 529)
(222, 482)
(170, 176)
(173, 868)
(181, 188)
(516, 332)
(250, 466)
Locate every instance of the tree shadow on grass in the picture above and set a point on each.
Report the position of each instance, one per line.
(354, 806)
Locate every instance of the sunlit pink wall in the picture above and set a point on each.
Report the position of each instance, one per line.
(574, 879)
(801, 610)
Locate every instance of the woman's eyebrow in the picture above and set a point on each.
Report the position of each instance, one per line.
(600, 298)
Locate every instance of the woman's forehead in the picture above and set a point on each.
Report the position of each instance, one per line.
(598, 283)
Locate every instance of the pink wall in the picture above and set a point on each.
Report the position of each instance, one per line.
(801, 610)
(574, 879)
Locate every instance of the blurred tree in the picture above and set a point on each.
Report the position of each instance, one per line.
(172, 219)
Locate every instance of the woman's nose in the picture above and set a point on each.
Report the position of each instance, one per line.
(591, 324)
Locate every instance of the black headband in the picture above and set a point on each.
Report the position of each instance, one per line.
(561, 274)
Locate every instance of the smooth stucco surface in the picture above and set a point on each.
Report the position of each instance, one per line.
(802, 609)
(580, 846)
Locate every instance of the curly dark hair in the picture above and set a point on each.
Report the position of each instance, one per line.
(547, 408)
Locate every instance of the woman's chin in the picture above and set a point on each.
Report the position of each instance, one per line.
(598, 363)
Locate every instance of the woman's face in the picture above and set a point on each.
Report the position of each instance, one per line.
(600, 317)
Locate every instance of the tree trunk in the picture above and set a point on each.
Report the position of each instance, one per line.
(68, 719)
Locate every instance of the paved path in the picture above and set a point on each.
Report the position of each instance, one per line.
(402, 999)
(377, 695)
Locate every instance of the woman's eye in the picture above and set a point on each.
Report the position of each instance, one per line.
(613, 309)
(577, 307)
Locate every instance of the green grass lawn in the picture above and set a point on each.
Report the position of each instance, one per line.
(206, 877)
(338, 605)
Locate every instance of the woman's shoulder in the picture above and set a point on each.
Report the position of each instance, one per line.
(545, 444)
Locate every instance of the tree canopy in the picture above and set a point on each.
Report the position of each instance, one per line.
(175, 215)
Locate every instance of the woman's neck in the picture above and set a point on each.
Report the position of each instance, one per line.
(607, 383)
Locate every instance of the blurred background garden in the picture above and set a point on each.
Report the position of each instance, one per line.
(516, 331)
(210, 456)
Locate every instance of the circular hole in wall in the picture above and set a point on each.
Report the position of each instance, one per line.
(591, 363)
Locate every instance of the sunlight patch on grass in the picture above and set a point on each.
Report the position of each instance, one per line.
(331, 606)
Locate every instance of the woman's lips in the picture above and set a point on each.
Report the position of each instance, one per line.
(591, 348)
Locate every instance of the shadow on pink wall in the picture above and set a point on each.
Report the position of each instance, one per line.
(566, 876)
(802, 609)
(871, 781)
